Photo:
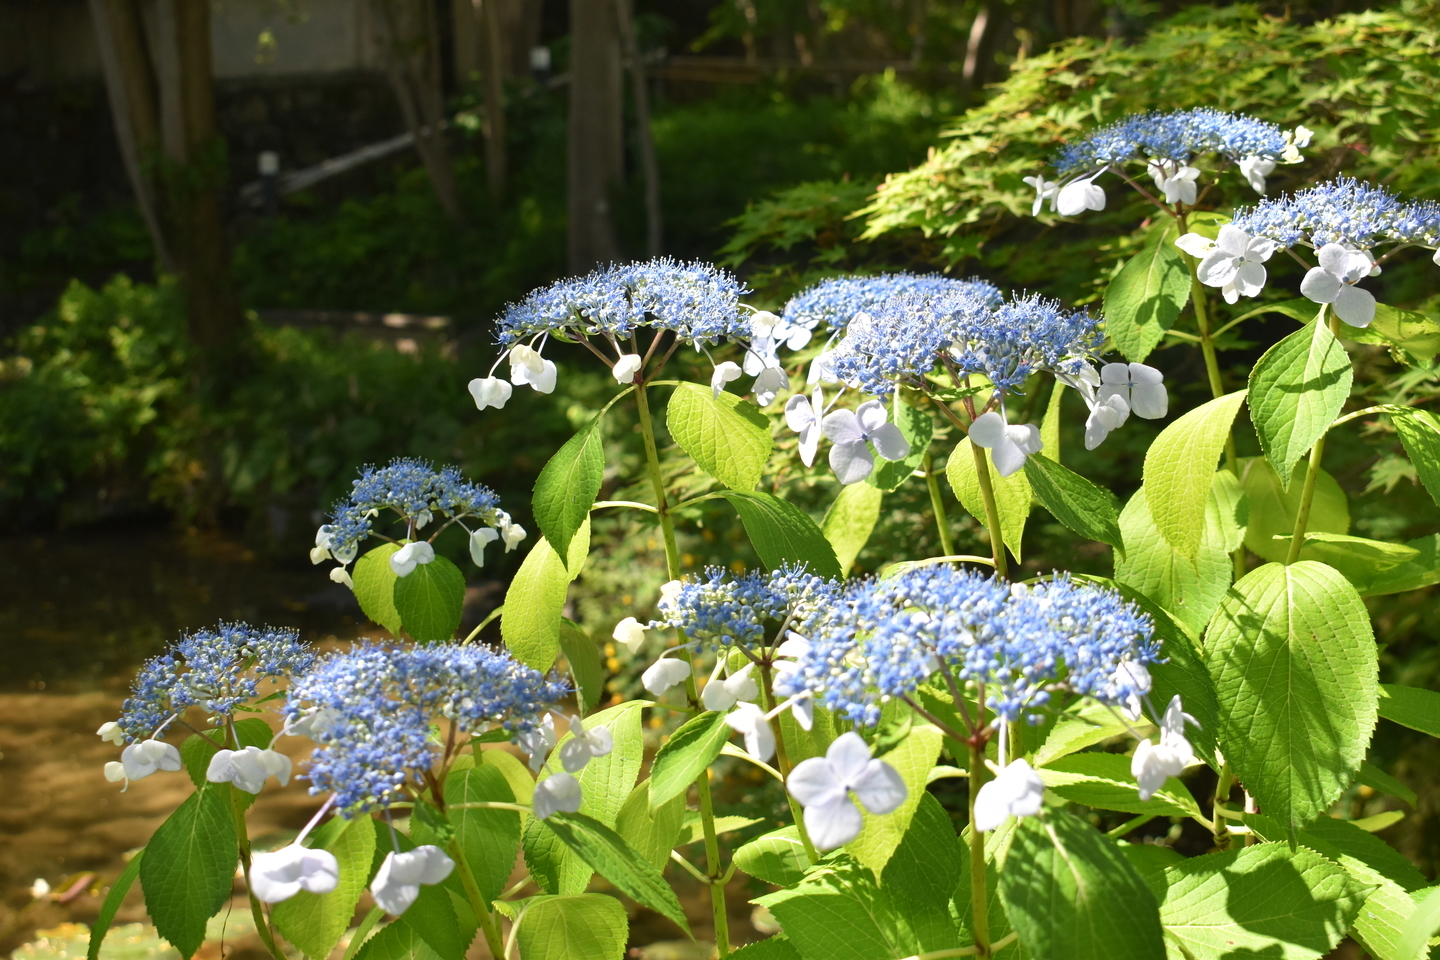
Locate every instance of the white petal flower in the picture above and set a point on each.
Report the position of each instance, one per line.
(314, 724)
(763, 324)
(408, 557)
(479, 539)
(490, 392)
(584, 745)
(630, 632)
(538, 741)
(802, 414)
(248, 768)
(527, 366)
(669, 590)
(749, 721)
(1153, 763)
(823, 786)
(1084, 380)
(281, 874)
(1255, 170)
(512, 533)
(110, 732)
(1133, 676)
(724, 694)
(854, 432)
(397, 883)
(1044, 190)
(342, 576)
(1015, 791)
(557, 792)
(1177, 182)
(626, 368)
(663, 674)
(1234, 262)
(769, 384)
(1302, 136)
(1009, 444)
(139, 760)
(1105, 416)
(1436, 258)
(40, 888)
(115, 772)
(724, 373)
(1197, 245)
(1142, 387)
(1333, 282)
(1078, 196)
(822, 369)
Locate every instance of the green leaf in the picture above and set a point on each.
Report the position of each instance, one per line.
(568, 486)
(1422, 571)
(588, 925)
(1273, 509)
(880, 835)
(1421, 926)
(398, 940)
(1188, 588)
(1071, 893)
(778, 857)
(375, 587)
(783, 533)
(189, 867)
(530, 625)
(489, 839)
(1104, 780)
(1050, 425)
(1085, 725)
(652, 831)
(441, 915)
(1074, 501)
(1142, 302)
(1012, 493)
(693, 830)
(195, 753)
(516, 774)
(1368, 858)
(850, 521)
(1262, 900)
(1178, 470)
(615, 860)
(1405, 332)
(1380, 781)
(114, 899)
(1411, 707)
(924, 866)
(583, 655)
(1296, 390)
(1295, 668)
(727, 437)
(686, 755)
(315, 922)
(1420, 432)
(430, 600)
(917, 427)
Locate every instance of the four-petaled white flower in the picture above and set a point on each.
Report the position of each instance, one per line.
(411, 555)
(1333, 282)
(490, 392)
(1105, 415)
(768, 385)
(538, 741)
(1233, 261)
(527, 366)
(626, 368)
(802, 414)
(1009, 444)
(724, 373)
(1177, 182)
(823, 786)
(1133, 675)
(853, 432)
(630, 632)
(750, 721)
(281, 874)
(248, 768)
(110, 732)
(1255, 170)
(557, 792)
(1154, 763)
(1015, 791)
(1142, 387)
(139, 760)
(397, 883)
(479, 540)
(1044, 190)
(663, 674)
(584, 744)
(724, 694)
(1077, 196)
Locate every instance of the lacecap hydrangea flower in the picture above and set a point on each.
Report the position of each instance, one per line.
(418, 495)
(380, 699)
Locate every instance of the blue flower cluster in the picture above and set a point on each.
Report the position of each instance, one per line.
(834, 303)
(217, 670)
(1177, 136)
(414, 490)
(698, 302)
(912, 334)
(1343, 210)
(725, 611)
(380, 699)
(1018, 643)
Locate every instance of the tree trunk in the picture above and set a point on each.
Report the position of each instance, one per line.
(494, 60)
(654, 224)
(596, 132)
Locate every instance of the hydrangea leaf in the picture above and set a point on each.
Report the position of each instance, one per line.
(686, 755)
(727, 437)
(850, 521)
(488, 838)
(1411, 707)
(114, 899)
(1189, 589)
(1178, 470)
(375, 587)
(1104, 780)
(430, 600)
(568, 485)
(1273, 509)
(912, 760)
(589, 925)
(1420, 432)
(1012, 494)
(1071, 893)
(530, 625)
(652, 831)
(1264, 899)
(778, 857)
(583, 656)
(1296, 390)
(917, 427)
(1142, 302)
(1074, 501)
(783, 533)
(1412, 337)
(190, 867)
(609, 855)
(315, 922)
(1296, 670)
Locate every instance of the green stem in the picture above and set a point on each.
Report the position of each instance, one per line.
(1219, 809)
(782, 758)
(979, 905)
(942, 524)
(1134, 823)
(702, 785)
(483, 913)
(358, 940)
(242, 834)
(1312, 473)
(992, 510)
